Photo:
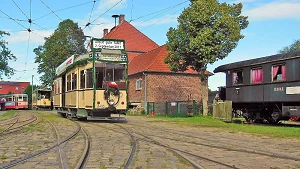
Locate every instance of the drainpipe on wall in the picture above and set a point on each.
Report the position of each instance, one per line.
(145, 92)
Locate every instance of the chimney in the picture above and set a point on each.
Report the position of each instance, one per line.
(121, 18)
(105, 32)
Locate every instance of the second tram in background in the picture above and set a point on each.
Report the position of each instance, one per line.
(94, 85)
(41, 99)
(265, 89)
(15, 101)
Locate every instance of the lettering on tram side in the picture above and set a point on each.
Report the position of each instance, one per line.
(278, 89)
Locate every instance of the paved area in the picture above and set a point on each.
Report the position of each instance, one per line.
(111, 145)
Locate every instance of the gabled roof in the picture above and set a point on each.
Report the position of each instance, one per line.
(135, 40)
(257, 61)
(152, 61)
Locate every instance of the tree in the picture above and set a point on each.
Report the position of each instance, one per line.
(68, 39)
(28, 91)
(207, 31)
(5, 56)
(293, 47)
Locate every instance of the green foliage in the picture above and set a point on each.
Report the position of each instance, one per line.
(28, 91)
(5, 57)
(293, 47)
(68, 39)
(207, 31)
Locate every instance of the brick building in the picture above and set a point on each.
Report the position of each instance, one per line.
(150, 79)
(7, 87)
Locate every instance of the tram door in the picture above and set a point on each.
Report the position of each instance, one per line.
(16, 99)
(63, 90)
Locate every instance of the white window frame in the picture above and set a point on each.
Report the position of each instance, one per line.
(138, 84)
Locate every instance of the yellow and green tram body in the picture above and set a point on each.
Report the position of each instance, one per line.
(41, 99)
(92, 86)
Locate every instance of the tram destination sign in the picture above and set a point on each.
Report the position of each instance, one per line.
(107, 44)
(110, 57)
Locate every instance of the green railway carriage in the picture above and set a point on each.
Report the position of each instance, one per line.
(93, 85)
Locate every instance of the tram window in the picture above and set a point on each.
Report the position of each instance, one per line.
(68, 82)
(109, 74)
(20, 98)
(25, 98)
(99, 77)
(74, 81)
(55, 87)
(58, 86)
(89, 78)
(119, 74)
(238, 77)
(82, 79)
(278, 73)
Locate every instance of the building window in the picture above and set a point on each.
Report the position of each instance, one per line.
(22, 88)
(256, 75)
(17, 88)
(138, 84)
(238, 77)
(0, 87)
(278, 73)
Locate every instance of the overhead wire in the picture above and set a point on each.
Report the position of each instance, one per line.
(131, 11)
(162, 10)
(50, 9)
(20, 9)
(107, 11)
(13, 19)
(64, 9)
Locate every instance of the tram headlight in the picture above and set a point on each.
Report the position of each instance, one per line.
(111, 103)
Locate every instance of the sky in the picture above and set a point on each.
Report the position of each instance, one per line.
(273, 24)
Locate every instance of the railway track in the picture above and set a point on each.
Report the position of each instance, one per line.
(59, 145)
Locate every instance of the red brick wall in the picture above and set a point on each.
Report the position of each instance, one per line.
(162, 87)
(16, 89)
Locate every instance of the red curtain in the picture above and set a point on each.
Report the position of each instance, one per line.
(257, 75)
(275, 71)
(283, 71)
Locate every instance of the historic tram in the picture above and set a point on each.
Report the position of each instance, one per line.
(94, 85)
(41, 99)
(15, 101)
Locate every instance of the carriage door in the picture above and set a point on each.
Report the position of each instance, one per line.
(63, 90)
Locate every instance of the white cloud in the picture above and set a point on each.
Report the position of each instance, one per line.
(23, 36)
(275, 10)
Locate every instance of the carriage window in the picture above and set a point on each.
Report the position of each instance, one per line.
(68, 82)
(109, 74)
(238, 77)
(82, 79)
(256, 75)
(54, 86)
(89, 78)
(278, 73)
(58, 86)
(119, 74)
(74, 81)
(99, 77)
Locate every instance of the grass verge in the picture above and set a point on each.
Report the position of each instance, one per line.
(209, 122)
